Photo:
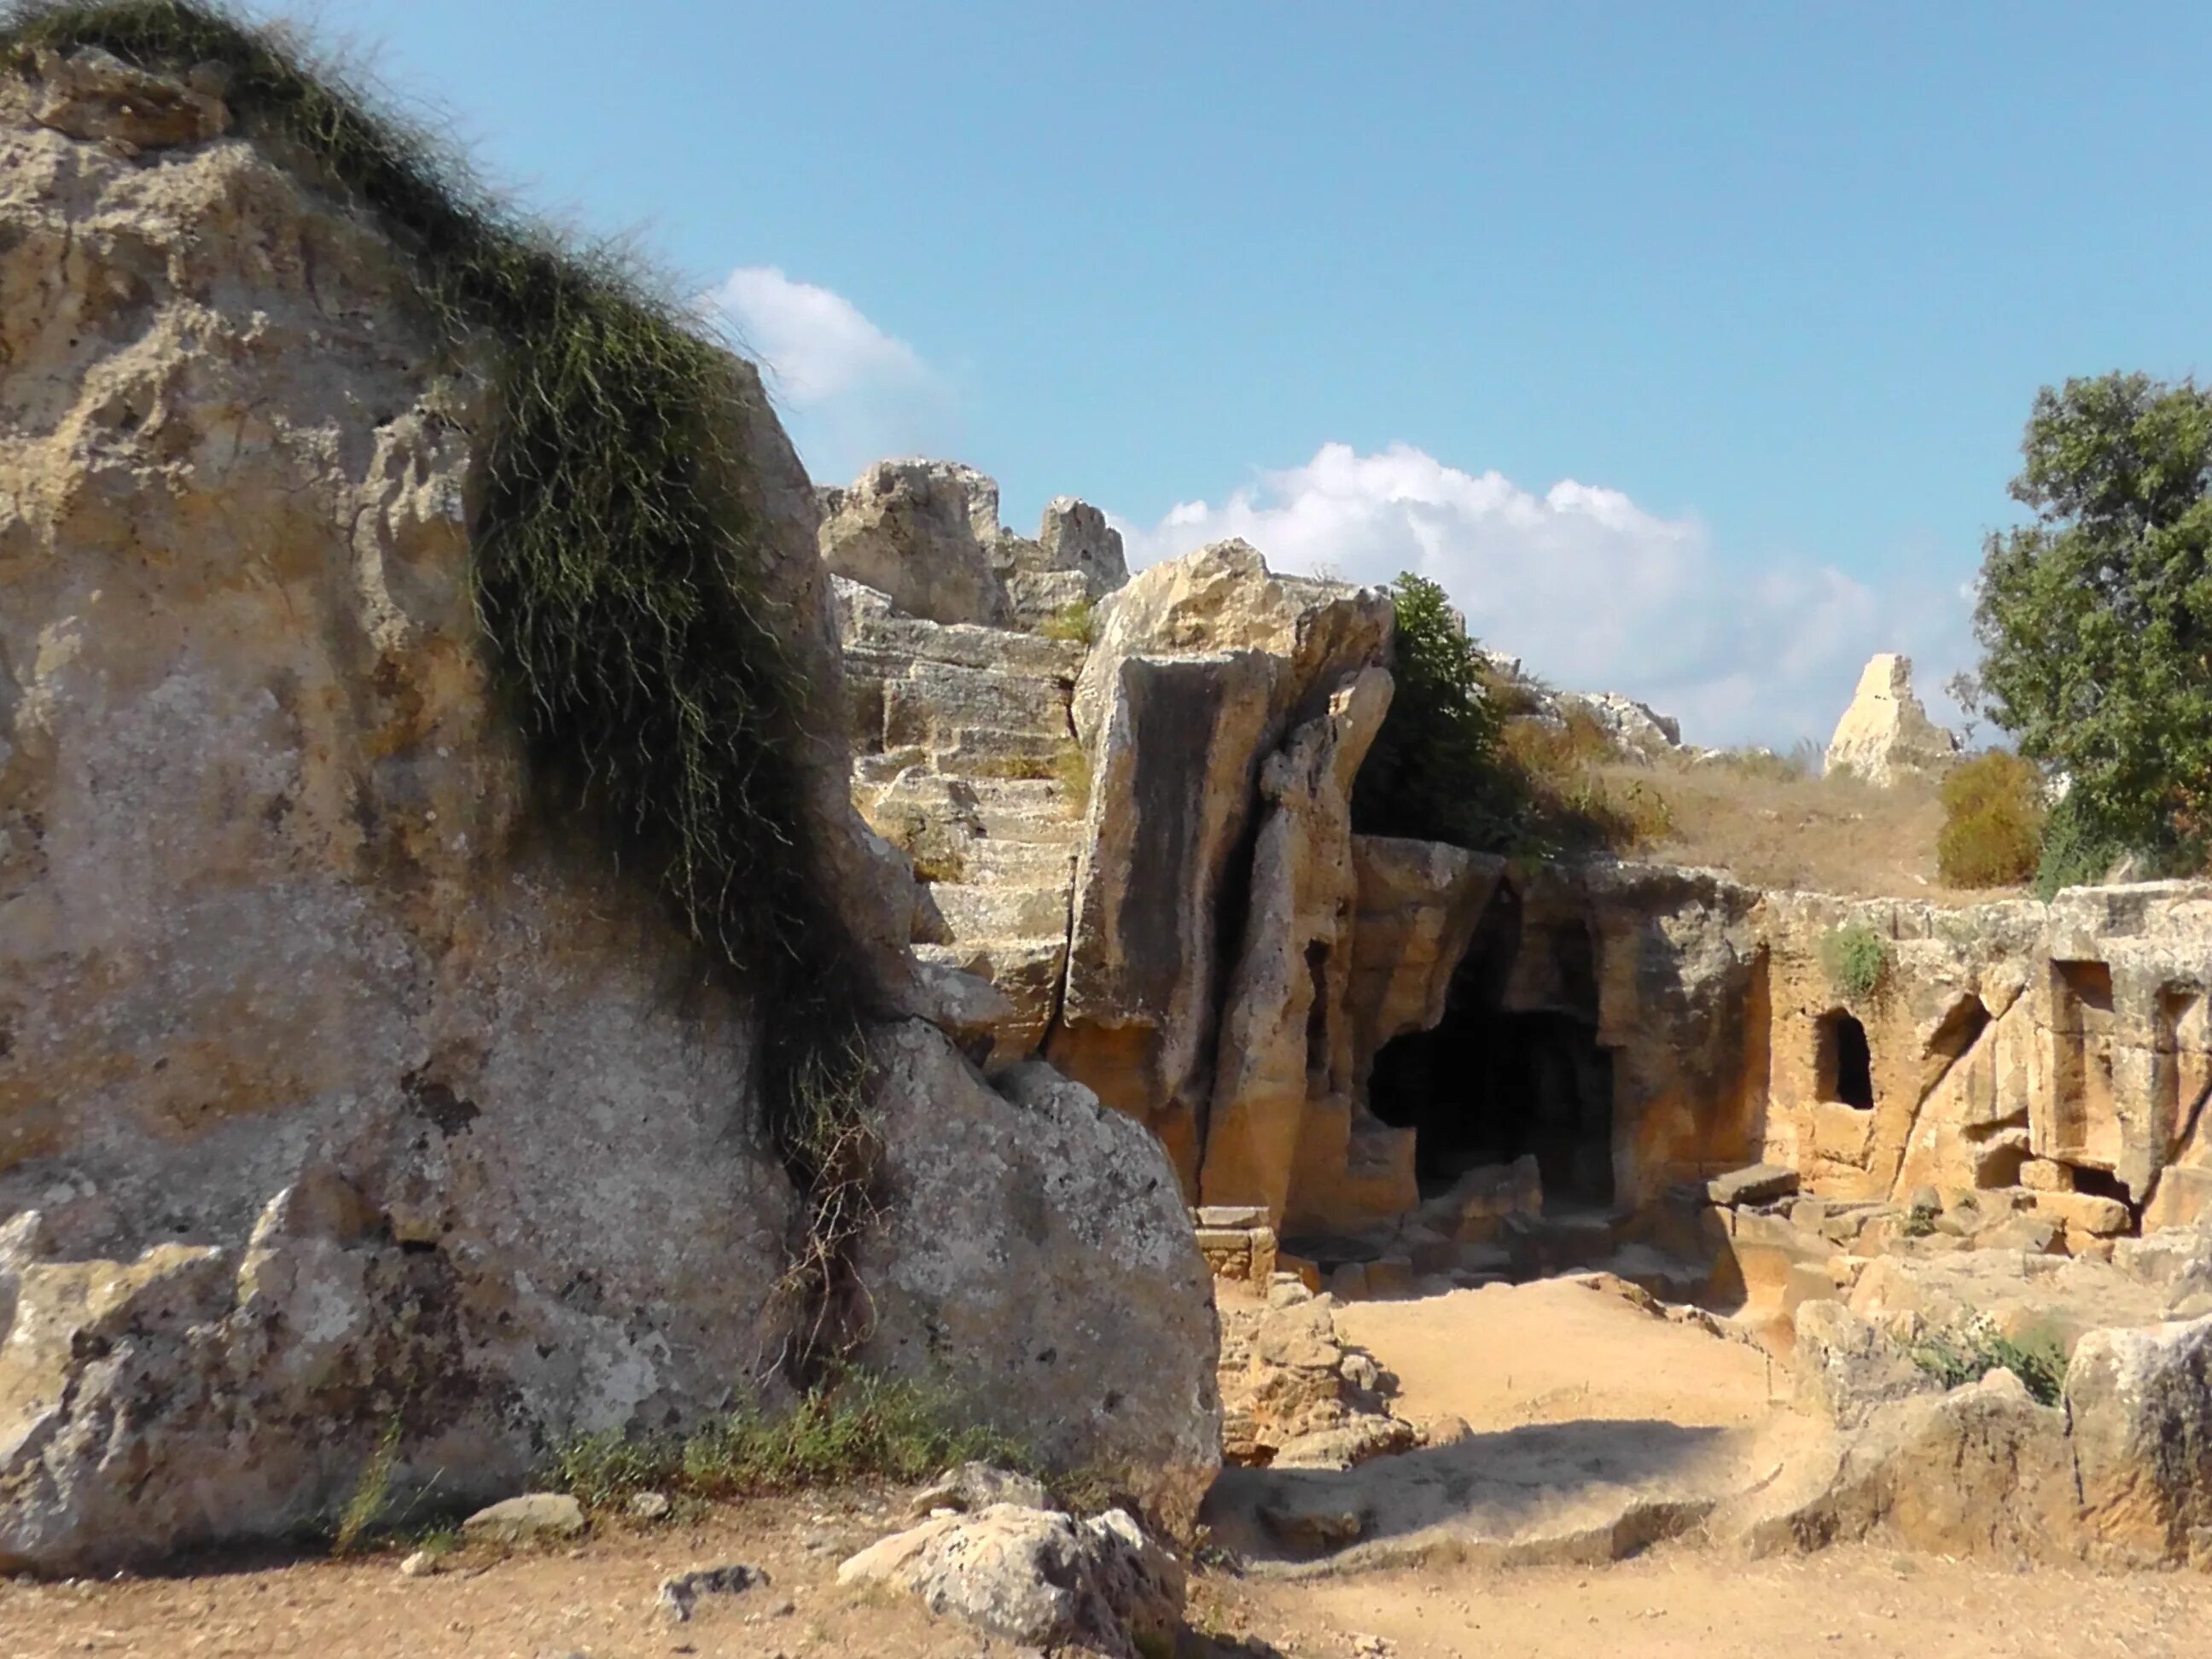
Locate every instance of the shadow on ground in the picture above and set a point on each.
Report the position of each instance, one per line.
(1595, 1489)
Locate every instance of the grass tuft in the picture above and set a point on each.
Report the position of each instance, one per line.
(618, 572)
(1076, 621)
(863, 1428)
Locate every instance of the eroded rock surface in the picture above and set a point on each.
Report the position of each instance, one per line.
(351, 1111)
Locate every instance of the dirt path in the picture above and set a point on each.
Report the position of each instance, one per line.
(1682, 1603)
(597, 1599)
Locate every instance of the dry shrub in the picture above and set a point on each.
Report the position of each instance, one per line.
(1577, 796)
(1993, 816)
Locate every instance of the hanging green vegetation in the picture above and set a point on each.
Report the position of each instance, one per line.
(617, 571)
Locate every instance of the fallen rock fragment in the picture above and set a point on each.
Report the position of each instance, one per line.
(1036, 1576)
(974, 1487)
(532, 1517)
(679, 1596)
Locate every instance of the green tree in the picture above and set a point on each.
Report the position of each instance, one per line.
(1434, 771)
(2095, 620)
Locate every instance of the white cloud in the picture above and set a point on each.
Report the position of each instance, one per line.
(849, 393)
(1592, 591)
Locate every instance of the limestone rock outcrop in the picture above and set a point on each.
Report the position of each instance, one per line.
(925, 534)
(1885, 734)
(1285, 1042)
(350, 1107)
(1075, 560)
(914, 530)
(1201, 668)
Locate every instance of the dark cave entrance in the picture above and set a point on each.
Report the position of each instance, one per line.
(1842, 1061)
(1492, 1083)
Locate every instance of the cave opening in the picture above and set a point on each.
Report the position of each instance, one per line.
(1490, 1084)
(1843, 1061)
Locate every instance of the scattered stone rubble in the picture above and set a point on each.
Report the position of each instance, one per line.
(1294, 1394)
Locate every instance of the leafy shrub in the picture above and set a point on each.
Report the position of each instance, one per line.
(861, 1428)
(1992, 833)
(617, 569)
(1967, 1355)
(1434, 771)
(2081, 848)
(1856, 959)
(1077, 621)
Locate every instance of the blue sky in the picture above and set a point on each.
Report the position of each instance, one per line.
(1689, 345)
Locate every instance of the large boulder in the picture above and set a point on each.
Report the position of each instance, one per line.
(915, 530)
(1035, 1254)
(1886, 735)
(1980, 1470)
(2139, 1408)
(358, 1121)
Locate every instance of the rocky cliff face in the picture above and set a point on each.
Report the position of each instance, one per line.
(346, 1102)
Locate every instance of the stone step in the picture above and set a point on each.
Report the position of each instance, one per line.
(1040, 797)
(973, 911)
(932, 701)
(987, 755)
(990, 862)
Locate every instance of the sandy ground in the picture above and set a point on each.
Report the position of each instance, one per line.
(1680, 1603)
(1560, 1351)
(595, 1599)
(1555, 1379)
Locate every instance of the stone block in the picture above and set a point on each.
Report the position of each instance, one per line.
(1761, 1183)
(1231, 1215)
(2085, 1212)
(1307, 1272)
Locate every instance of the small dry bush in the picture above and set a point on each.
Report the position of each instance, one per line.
(1856, 959)
(1077, 621)
(1967, 1355)
(1993, 818)
(1575, 796)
